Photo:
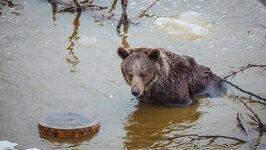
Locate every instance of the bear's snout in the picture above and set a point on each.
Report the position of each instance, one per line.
(135, 91)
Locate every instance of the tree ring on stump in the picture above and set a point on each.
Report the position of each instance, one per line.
(67, 125)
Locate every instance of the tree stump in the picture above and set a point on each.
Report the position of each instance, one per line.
(67, 125)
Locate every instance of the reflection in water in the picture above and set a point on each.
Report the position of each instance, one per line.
(124, 36)
(67, 143)
(54, 8)
(13, 8)
(72, 58)
(149, 124)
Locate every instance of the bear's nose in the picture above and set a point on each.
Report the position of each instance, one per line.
(135, 92)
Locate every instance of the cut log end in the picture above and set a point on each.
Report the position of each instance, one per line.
(67, 125)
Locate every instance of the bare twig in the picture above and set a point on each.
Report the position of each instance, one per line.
(256, 117)
(145, 9)
(257, 121)
(213, 137)
(240, 123)
(233, 73)
(86, 1)
(255, 26)
(79, 8)
(84, 7)
(244, 91)
(60, 2)
(114, 2)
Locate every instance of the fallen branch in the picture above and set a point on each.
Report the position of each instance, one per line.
(257, 121)
(212, 137)
(80, 7)
(241, 125)
(75, 6)
(233, 73)
(145, 9)
(244, 91)
(114, 2)
(256, 118)
(60, 2)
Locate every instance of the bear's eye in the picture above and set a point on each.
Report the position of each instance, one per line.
(142, 75)
(130, 76)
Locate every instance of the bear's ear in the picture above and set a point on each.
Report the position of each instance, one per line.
(122, 52)
(154, 54)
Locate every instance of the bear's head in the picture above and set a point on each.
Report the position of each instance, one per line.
(139, 67)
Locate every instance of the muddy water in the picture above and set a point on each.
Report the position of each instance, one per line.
(69, 63)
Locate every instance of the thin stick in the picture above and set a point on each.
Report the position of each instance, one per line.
(255, 115)
(79, 8)
(73, 8)
(58, 2)
(240, 123)
(145, 9)
(208, 137)
(114, 2)
(233, 73)
(244, 91)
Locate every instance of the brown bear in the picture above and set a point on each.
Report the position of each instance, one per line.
(161, 76)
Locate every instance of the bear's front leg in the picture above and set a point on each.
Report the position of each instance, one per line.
(182, 98)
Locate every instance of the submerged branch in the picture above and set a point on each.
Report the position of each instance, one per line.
(60, 2)
(241, 124)
(212, 137)
(233, 73)
(114, 2)
(244, 91)
(256, 118)
(145, 9)
(257, 121)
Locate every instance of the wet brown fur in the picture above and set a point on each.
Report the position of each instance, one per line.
(169, 78)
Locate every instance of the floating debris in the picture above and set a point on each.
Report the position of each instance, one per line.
(188, 26)
(6, 145)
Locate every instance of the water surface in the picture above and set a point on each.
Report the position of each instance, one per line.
(69, 63)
